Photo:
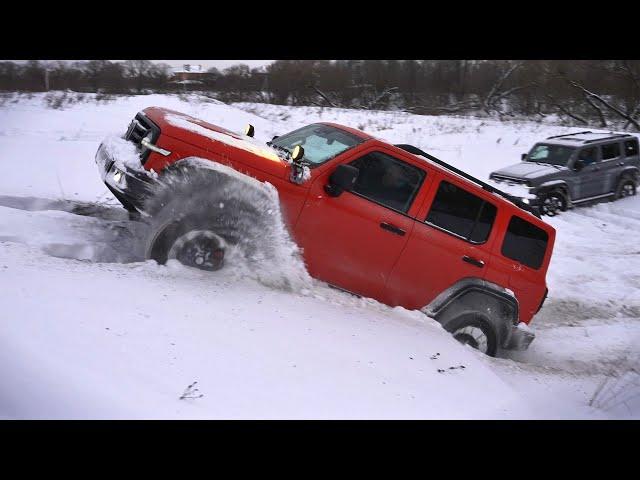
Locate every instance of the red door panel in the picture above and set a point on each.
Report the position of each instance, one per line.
(430, 263)
(350, 241)
(344, 244)
(433, 259)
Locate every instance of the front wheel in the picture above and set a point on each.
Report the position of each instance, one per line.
(553, 203)
(197, 248)
(475, 332)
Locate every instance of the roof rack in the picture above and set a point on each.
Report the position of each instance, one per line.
(516, 201)
(616, 135)
(569, 134)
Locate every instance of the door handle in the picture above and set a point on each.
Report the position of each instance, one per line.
(392, 228)
(473, 261)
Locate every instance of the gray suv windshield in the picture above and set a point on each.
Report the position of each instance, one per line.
(552, 154)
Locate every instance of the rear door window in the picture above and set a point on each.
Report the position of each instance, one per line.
(387, 181)
(631, 148)
(462, 213)
(525, 243)
(610, 151)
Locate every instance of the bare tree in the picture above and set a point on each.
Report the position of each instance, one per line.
(605, 103)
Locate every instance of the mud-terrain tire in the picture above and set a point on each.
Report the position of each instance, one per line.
(626, 187)
(474, 331)
(552, 203)
(194, 218)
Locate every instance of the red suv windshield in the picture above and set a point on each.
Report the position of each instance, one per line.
(320, 142)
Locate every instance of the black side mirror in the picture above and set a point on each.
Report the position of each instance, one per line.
(341, 179)
(578, 165)
(523, 157)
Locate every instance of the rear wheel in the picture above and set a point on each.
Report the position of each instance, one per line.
(475, 332)
(626, 188)
(553, 203)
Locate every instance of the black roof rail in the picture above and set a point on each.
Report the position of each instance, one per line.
(569, 134)
(617, 135)
(516, 201)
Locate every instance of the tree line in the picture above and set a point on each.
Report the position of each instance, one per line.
(604, 93)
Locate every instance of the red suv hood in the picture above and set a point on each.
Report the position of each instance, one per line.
(218, 140)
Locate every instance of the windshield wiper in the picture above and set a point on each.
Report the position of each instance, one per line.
(547, 163)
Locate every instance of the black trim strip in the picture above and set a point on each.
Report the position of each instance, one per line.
(593, 198)
(392, 228)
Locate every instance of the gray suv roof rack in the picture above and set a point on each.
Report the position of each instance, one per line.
(617, 135)
(593, 140)
(516, 201)
(569, 134)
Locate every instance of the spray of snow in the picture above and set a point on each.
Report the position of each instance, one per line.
(266, 251)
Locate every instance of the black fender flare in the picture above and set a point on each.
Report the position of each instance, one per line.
(559, 185)
(629, 171)
(495, 304)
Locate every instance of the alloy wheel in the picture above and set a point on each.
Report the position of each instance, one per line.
(472, 336)
(201, 249)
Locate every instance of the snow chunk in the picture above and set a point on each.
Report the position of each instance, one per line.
(124, 153)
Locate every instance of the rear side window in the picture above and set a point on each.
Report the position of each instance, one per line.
(460, 212)
(631, 148)
(525, 243)
(387, 180)
(610, 151)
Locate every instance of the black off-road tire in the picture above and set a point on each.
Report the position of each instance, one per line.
(627, 187)
(476, 332)
(553, 202)
(189, 202)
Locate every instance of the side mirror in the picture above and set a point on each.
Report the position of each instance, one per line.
(578, 165)
(341, 179)
(297, 167)
(274, 137)
(523, 157)
(249, 131)
(297, 153)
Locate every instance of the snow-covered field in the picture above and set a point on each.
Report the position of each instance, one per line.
(89, 330)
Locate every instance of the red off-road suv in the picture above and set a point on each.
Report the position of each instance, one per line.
(384, 221)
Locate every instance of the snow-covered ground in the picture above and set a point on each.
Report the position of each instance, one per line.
(89, 330)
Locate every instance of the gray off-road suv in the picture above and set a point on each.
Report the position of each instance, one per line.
(567, 170)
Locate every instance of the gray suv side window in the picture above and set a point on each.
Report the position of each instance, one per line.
(631, 148)
(610, 151)
(589, 155)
